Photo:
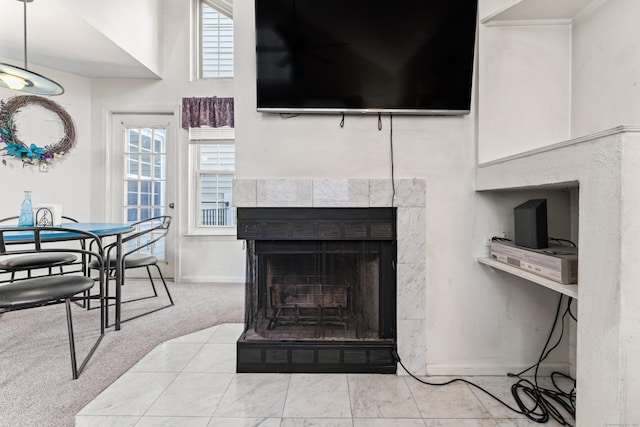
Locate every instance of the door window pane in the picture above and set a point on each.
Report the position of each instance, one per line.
(133, 140)
(145, 213)
(158, 167)
(158, 193)
(146, 141)
(132, 166)
(159, 141)
(132, 215)
(145, 166)
(145, 180)
(145, 193)
(132, 192)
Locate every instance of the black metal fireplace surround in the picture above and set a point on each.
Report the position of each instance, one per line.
(320, 291)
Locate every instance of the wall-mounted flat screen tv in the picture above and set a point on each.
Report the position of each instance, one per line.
(359, 56)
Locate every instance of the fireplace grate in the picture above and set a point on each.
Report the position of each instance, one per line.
(308, 304)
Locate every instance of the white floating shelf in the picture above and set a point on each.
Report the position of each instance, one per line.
(569, 290)
(542, 10)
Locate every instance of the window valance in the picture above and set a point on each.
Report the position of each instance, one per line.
(212, 111)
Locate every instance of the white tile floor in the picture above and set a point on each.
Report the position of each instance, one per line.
(191, 381)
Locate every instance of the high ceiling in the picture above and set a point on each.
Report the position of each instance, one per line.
(61, 40)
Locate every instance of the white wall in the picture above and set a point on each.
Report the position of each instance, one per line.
(135, 26)
(69, 181)
(606, 68)
(473, 319)
(524, 88)
(201, 258)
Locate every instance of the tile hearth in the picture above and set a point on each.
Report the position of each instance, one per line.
(191, 381)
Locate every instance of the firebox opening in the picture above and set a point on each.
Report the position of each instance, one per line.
(312, 290)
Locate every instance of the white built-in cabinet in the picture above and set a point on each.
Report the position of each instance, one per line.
(525, 84)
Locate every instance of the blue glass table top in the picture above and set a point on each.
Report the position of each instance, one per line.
(98, 228)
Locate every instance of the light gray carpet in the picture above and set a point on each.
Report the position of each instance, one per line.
(36, 388)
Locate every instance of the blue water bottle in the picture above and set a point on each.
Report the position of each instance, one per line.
(26, 211)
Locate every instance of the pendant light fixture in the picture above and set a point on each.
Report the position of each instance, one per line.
(23, 80)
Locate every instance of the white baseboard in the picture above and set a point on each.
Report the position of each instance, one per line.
(494, 370)
(212, 279)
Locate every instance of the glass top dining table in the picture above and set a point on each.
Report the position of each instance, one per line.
(101, 229)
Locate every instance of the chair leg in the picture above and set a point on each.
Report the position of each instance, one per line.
(106, 300)
(72, 345)
(164, 283)
(103, 302)
(155, 293)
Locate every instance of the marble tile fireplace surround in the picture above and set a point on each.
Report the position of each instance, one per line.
(366, 193)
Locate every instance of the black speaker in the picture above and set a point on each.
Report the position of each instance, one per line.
(530, 220)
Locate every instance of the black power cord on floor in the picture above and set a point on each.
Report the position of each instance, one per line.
(541, 401)
(545, 399)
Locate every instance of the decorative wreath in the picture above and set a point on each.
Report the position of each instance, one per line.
(32, 154)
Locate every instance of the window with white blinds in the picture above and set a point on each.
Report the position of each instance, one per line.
(213, 164)
(216, 43)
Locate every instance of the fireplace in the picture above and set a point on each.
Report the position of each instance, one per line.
(320, 291)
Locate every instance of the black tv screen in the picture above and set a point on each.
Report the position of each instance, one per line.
(404, 56)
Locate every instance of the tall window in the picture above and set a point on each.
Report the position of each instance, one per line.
(215, 41)
(213, 164)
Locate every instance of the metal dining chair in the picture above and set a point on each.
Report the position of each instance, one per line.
(32, 292)
(30, 263)
(137, 253)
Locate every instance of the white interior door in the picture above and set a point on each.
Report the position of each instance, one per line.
(144, 176)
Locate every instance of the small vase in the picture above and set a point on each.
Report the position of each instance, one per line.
(26, 211)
